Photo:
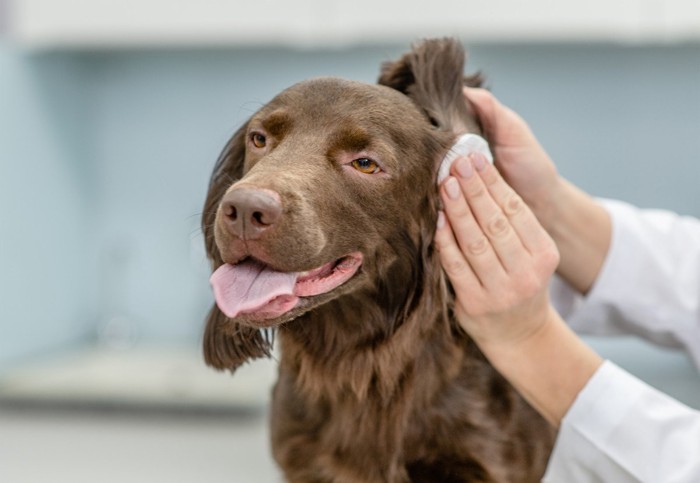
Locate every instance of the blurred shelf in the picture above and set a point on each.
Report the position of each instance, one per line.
(144, 378)
(47, 24)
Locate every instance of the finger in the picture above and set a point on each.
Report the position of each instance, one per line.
(456, 267)
(489, 215)
(526, 226)
(472, 242)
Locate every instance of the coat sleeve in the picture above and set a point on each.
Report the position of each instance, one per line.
(621, 430)
(649, 283)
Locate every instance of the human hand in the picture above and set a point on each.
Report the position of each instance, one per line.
(518, 155)
(499, 260)
(497, 256)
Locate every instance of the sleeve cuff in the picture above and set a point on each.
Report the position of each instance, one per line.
(620, 429)
(579, 453)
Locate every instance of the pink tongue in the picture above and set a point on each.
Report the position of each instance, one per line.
(251, 287)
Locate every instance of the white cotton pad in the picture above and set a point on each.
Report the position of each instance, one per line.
(465, 145)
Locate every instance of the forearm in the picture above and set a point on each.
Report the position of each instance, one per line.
(649, 283)
(582, 230)
(549, 368)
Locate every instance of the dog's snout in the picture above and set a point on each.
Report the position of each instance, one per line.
(249, 212)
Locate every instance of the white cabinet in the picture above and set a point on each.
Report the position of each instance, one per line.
(318, 23)
(680, 18)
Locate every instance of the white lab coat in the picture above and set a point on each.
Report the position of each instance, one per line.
(619, 429)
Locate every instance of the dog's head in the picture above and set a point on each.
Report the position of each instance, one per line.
(324, 190)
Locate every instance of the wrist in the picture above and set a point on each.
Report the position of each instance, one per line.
(582, 230)
(504, 352)
(549, 368)
(552, 207)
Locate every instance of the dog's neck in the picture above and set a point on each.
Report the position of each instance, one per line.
(365, 347)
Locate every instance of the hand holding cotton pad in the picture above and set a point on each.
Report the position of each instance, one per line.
(466, 144)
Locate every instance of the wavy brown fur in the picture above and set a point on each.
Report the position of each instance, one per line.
(428, 74)
(377, 382)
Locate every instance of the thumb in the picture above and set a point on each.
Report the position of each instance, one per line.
(502, 125)
(484, 104)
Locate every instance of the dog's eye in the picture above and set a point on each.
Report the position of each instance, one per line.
(258, 140)
(366, 165)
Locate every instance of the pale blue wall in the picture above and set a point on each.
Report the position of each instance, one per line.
(105, 160)
(620, 122)
(45, 297)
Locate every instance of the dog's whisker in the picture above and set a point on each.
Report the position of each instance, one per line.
(244, 107)
(193, 215)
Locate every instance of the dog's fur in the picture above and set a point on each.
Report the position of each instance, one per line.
(377, 382)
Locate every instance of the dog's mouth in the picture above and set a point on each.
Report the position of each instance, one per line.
(259, 292)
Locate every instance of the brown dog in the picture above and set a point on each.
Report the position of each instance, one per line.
(319, 222)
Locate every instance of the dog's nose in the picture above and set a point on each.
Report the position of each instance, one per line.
(249, 212)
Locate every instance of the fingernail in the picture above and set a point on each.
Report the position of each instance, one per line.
(452, 188)
(440, 220)
(464, 168)
(479, 161)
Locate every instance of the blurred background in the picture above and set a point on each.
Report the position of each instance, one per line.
(112, 114)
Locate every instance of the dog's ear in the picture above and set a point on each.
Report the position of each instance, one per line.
(227, 345)
(228, 170)
(432, 75)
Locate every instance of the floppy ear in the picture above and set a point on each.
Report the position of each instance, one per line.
(228, 170)
(432, 75)
(227, 344)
